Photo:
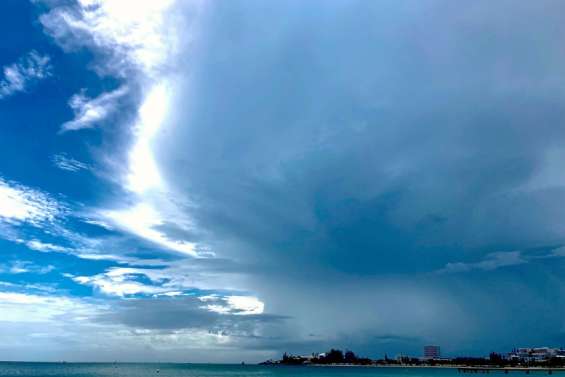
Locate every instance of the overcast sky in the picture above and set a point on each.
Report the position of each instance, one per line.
(219, 181)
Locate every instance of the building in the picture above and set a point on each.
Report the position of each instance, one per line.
(432, 352)
(536, 354)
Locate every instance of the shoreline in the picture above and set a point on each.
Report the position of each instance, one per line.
(462, 367)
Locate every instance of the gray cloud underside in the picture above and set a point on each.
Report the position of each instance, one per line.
(181, 313)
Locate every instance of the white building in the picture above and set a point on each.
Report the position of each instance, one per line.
(535, 354)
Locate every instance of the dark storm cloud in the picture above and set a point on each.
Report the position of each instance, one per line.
(330, 142)
(363, 134)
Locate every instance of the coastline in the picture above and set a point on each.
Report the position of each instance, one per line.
(462, 367)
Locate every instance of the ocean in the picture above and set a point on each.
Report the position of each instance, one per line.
(213, 370)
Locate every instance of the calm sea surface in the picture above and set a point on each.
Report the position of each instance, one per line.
(206, 370)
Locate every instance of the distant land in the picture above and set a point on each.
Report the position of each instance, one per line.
(544, 357)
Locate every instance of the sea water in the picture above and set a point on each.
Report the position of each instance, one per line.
(215, 370)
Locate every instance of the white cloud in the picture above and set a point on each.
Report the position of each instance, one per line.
(59, 327)
(23, 204)
(135, 35)
(124, 282)
(69, 164)
(45, 246)
(236, 305)
(138, 42)
(144, 181)
(19, 298)
(53, 326)
(99, 223)
(22, 307)
(166, 279)
(89, 112)
(245, 305)
(27, 70)
(142, 220)
(119, 281)
(143, 170)
(112, 287)
(21, 267)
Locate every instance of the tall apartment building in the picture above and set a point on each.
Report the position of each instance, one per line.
(432, 352)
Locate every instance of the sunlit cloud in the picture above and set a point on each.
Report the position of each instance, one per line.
(90, 112)
(47, 324)
(174, 278)
(143, 170)
(117, 283)
(134, 34)
(138, 42)
(19, 203)
(45, 246)
(26, 71)
(22, 307)
(125, 281)
(145, 182)
(142, 221)
(245, 305)
(119, 258)
(237, 305)
(24, 267)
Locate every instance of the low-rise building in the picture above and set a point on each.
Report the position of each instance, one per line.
(535, 354)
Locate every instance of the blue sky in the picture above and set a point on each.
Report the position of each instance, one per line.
(226, 181)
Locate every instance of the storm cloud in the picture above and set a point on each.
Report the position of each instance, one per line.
(360, 139)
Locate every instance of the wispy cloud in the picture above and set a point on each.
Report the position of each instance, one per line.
(26, 71)
(124, 281)
(19, 307)
(119, 282)
(22, 267)
(134, 36)
(89, 112)
(160, 277)
(45, 246)
(19, 203)
(151, 197)
(143, 220)
(69, 164)
(136, 43)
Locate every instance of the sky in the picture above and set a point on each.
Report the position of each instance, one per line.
(224, 181)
